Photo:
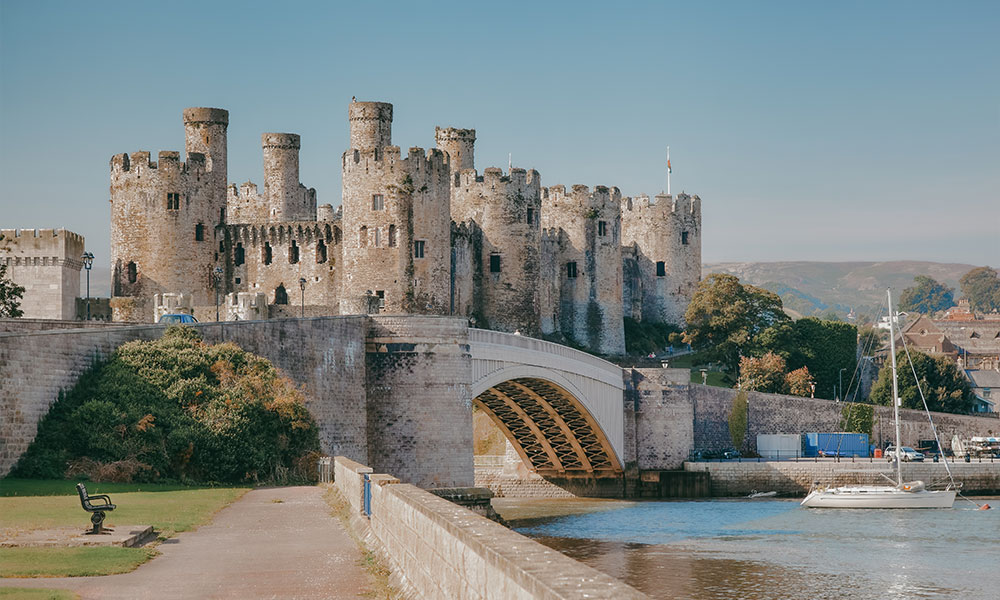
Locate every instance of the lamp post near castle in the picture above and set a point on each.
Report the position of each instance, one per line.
(302, 301)
(88, 262)
(218, 280)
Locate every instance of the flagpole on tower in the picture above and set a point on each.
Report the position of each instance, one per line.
(668, 170)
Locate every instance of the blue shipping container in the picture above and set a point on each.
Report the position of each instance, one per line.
(836, 444)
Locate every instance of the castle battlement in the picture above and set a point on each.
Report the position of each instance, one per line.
(518, 180)
(390, 159)
(169, 162)
(601, 198)
(660, 206)
(42, 247)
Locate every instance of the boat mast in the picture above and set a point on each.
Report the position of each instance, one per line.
(895, 390)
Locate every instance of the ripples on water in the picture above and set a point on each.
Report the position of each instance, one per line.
(764, 549)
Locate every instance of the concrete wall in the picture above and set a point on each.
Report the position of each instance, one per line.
(796, 477)
(437, 549)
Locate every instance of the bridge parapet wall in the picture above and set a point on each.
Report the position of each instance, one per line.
(438, 549)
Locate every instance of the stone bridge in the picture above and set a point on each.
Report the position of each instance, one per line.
(560, 408)
(396, 392)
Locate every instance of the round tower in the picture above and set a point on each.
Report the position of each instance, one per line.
(459, 144)
(284, 195)
(506, 209)
(589, 264)
(205, 133)
(371, 125)
(396, 220)
(666, 231)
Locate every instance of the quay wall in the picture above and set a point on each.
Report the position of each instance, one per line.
(794, 478)
(437, 549)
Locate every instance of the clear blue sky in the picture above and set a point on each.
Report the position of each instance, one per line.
(811, 130)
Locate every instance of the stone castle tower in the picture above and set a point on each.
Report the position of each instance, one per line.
(423, 232)
(396, 219)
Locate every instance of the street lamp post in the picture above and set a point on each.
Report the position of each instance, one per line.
(302, 301)
(218, 281)
(88, 262)
(840, 377)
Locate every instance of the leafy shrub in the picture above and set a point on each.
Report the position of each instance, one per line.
(644, 337)
(176, 408)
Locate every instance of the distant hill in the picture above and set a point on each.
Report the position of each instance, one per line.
(813, 288)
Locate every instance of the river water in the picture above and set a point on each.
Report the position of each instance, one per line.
(773, 549)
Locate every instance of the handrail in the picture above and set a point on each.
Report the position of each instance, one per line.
(485, 336)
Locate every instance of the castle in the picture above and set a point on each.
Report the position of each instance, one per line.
(421, 232)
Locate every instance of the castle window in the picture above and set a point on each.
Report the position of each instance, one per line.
(199, 232)
(661, 269)
(378, 202)
(133, 272)
(222, 215)
(378, 237)
(392, 236)
(293, 253)
(684, 238)
(265, 253)
(363, 236)
(531, 216)
(571, 270)
(494, 263)
(238, 280)
(337, 235)
(173, 201)
(381, 298)
(280, 295)
(239, 255)
(320, 252)
(222, 247)
(418, 249)
(602, 228)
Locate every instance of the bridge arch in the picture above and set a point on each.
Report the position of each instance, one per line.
(560, 408)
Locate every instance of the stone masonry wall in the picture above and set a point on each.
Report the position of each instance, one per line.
(47, 263)
(419, 399)
(796, 477)
(324, 355)
(437, 549)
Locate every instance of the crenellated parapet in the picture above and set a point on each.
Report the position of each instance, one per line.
(665, 233)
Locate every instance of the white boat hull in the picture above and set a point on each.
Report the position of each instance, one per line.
(876, 496)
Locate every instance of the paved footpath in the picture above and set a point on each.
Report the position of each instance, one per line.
(254, 548)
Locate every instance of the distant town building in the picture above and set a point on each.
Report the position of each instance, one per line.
(47, 262)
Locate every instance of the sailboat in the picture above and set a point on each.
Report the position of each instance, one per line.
(912, 494)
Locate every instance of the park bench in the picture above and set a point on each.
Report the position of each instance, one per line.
(96, 510)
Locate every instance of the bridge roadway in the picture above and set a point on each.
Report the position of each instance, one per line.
(560, 408)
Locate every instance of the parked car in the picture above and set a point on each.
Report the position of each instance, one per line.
(906, 454)
(177, 319)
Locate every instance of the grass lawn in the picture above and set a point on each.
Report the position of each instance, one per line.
(29, 504)
(71, 562)
(36, 594)
(696, 362)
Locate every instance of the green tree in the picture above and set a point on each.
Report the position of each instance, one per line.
(982, 287)
(926, 296)
(725, 317)
(825, 347)
(738, 416)
(943, 385)
(10, 293)
(857, 418)
(763, 374)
